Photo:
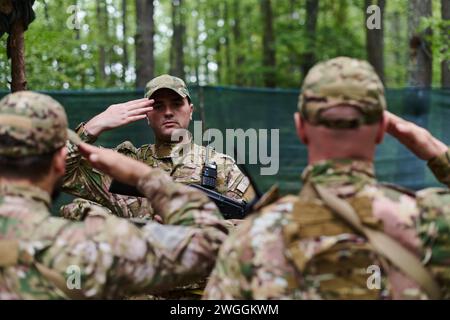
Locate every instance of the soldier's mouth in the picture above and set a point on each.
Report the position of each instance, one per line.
(170, 123)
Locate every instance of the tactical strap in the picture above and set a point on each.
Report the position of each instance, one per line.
(9, 257)
(9, 253)
(382, 243)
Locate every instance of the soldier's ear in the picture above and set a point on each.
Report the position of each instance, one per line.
(59, 162)
(192, 111)
(300, 128)
(381, 130)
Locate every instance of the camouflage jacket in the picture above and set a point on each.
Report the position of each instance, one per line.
(115, 257)
(298, 249)
(183, 162)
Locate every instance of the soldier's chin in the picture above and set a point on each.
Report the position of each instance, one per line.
(57, 189)
(168, 134)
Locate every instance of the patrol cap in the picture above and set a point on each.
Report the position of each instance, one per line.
(339, 82)
(32, 124)
(166, 81)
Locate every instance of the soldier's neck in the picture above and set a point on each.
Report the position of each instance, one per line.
(315, 156)
(43, 184)
(163, 142)
(184, 137)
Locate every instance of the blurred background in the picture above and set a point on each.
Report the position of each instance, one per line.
(244, 61)
(91, 44)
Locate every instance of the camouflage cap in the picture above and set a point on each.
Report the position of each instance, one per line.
(338, 82)
(32, 124)
(166, 81)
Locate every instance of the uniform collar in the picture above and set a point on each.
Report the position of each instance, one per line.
(28, 192)
(334, 167)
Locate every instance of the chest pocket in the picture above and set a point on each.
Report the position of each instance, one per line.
(326, 253)
(187, 173)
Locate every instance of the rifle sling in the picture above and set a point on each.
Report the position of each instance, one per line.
(383, 244)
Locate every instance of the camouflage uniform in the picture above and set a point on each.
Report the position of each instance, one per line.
(297, 248)
(182, 161)
(115, 257)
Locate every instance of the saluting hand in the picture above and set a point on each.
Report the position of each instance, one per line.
(417, 139)
(118, 115)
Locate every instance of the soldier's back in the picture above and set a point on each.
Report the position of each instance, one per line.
(298, 248)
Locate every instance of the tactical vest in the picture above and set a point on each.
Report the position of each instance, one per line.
(340, 270)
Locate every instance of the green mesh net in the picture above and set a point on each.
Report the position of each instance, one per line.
(229, 108)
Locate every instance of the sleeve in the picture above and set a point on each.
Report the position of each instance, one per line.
(433, 229)
(252, 262)
(79, 208)
(117, 259)
(81, 180)
(440, 166)
(233, 272)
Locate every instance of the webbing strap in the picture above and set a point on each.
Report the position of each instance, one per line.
(382, 243)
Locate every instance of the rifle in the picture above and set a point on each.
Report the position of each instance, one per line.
(230, 208)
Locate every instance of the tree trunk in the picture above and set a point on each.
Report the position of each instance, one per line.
(205, 59)
(237, 35)
(252, 78)
(445, 64)
(16, 50)
(78, 27)
(309, 57)
(125, 43)
(295, 62)
(145, 28)
(101, 48)
(269, 58)
(375, 39)
(195, 49)
(229, 67)
(420, 59)
(177, 52)
(400, 57)
(46, 15)
(218, 46)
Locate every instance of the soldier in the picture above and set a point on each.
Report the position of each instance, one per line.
(168, 108)
(345, 236)
(104, 256)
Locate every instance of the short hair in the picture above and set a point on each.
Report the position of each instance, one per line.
(343, 117)
(33, 167)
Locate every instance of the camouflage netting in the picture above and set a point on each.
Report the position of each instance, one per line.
(272, 109)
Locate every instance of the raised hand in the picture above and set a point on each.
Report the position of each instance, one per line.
(415, 138)
(118, 115)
